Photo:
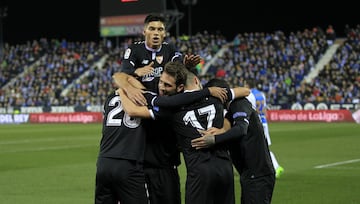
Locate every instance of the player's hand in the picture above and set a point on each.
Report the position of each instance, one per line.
(218, 92)
(203, 142)
(212, 131)
(191, 61)
(147, 69)
(120, 91)
(136, 95)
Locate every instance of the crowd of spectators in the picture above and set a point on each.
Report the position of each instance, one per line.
(62, 73)
(278, 62)
(339, 82)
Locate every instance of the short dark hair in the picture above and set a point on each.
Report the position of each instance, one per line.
(251, 83)
(154, 17)
(178, 71)
(217, 82)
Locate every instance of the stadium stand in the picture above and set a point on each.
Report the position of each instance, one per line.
(303, 66)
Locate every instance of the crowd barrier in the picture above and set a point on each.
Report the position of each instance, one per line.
(273, 116)
(312, 116)
(77, 117)
(93, 114)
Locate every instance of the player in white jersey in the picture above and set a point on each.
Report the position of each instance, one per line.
(261, 107)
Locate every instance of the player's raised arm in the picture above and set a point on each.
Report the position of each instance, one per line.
(131, 86)
(131, 108)
(185, 98)
(241, 92)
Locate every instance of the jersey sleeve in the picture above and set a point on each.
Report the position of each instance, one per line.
(156, 112)
(177, 56)
(128, 61)
(239, 112)
(230, 95)
(180, 99)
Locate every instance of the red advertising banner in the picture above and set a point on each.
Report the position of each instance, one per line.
(77, 117)
(309, 116)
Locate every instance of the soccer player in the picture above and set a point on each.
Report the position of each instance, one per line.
(209, 172)
(119, 174)
(248, 148)
(146, 60)
(261, 108)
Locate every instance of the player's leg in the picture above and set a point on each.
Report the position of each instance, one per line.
(130, 184)
(278, 169)
(103, 186)
(224, 181)
(257, 190)
(163, 185)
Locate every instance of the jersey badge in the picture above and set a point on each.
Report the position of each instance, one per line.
(159, 59)
(239, 114)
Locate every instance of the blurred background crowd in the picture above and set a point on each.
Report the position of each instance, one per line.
(310, 65)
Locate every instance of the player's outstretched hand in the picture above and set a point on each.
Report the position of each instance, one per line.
(218, 92)
(144, 70)
(191, 61)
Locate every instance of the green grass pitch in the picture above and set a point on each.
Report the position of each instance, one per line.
(55, 163)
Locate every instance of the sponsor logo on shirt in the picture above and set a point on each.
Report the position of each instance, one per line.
(156, 73)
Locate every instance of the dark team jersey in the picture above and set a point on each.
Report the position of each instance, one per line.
(139, 55)
(161, 145)
(123, 137)
(161, 148)
(248, 146)
(209, 112)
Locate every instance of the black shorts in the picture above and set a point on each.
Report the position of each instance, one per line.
(210, 181)
(163, 185)
(257, 190)
(120, 180)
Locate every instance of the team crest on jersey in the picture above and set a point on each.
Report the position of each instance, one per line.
(127, 53)
(159, 59)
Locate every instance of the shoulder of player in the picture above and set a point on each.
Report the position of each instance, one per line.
(113, 94)
(137, 45)
(167, 45)
(242, 100)
(211, 100)
(149, 95)
(110, 97)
